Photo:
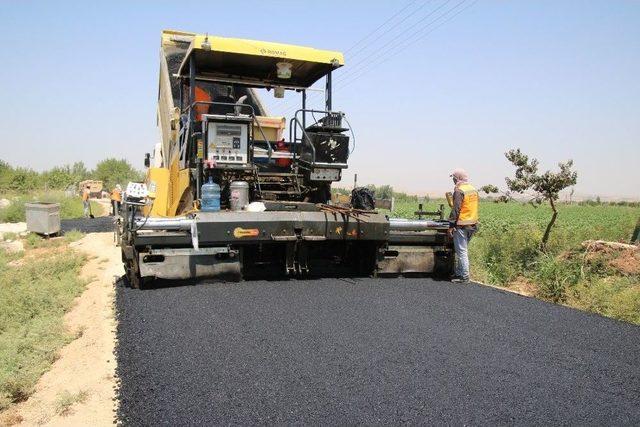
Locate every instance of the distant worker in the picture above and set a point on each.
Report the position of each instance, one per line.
(85, 201)
(463, 222)
(116, 199)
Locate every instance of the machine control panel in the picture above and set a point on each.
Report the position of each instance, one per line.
(228, 142)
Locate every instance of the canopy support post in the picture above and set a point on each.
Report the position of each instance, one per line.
(192, 120)
(327, 92)
(304, 107)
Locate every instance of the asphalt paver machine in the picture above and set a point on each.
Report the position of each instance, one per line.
(234, 192)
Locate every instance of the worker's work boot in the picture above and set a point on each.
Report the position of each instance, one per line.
(459, 280)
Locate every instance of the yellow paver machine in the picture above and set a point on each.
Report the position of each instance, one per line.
(234, 192)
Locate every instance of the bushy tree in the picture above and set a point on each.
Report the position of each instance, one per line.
(381, 192)
(60, 177)
(6, 175)
(540, 187)
(113, 171)
(79, 172)
(24, 179)
(492, 189)
(384, 192)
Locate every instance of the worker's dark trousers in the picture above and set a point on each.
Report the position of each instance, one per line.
(115, 207)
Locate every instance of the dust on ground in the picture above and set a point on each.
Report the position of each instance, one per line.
(523, 286)
(628, 262)
(105, 205)
(622, 257)
(86, 366)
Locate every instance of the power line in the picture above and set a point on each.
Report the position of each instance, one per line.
(384, 47)
(410, 40)
(407, 16)
(396, 25)
(385, 58)
(380, 26)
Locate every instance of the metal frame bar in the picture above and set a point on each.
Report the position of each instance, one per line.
(304, 107)
(327, 92)
(192, 121)
(190, 251)
(243, 82)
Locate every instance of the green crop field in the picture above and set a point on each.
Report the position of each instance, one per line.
(575, 222)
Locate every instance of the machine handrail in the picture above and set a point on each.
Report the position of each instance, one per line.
(233, 104)
(305, 138)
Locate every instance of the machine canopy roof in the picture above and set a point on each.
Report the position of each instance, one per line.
(255, 62)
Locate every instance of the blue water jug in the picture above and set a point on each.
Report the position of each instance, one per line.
(210, 201)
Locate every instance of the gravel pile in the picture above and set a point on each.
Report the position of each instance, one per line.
(368, 351)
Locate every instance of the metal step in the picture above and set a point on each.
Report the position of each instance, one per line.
(293, 193)
(279, 174)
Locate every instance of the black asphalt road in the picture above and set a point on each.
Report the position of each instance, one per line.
(98, 224)
(369, 351)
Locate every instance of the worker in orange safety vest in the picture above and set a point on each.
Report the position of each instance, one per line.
(463, 222)
(85, 201)
(116, 199)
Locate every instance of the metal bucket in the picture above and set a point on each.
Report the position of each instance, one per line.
(239, 195)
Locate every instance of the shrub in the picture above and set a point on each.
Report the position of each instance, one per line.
(73, 235)
(14, 212)
(66, 400)
(33, 240)
(555, 277)
(506, 254)
(23, 180)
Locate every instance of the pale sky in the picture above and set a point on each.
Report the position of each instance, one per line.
(440, 84)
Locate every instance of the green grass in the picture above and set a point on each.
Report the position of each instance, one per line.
(73, 235)
(34, 296)
(34, 240)
(70, 207)
(506, 249)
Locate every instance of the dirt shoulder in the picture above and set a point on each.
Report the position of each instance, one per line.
(80, 387)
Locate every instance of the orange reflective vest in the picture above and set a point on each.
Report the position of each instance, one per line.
(469, 209)
(85, 195)
(116, 195)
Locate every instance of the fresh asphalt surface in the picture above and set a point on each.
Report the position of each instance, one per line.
(368, 351)
(98, 224)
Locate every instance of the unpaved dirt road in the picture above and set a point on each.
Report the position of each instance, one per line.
(368, 351)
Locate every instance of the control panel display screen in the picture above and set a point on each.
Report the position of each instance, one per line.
(227, 142)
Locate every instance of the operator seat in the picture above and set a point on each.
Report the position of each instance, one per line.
(226, 98)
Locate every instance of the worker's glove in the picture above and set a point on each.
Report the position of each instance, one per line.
(450, 232)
